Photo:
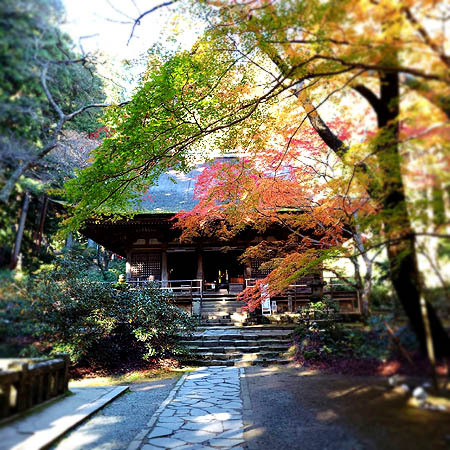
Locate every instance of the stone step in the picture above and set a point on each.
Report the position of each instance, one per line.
(210, 318)
(239, 338)
(207, 300)
(253, 349)
(215, 321)
(216, 313)
(263, 328)
(236, 343)
(237, 363)
(239, 356)
(224, 304)
(221, 308)
(262, 362)
(225, 341)
(210, 362)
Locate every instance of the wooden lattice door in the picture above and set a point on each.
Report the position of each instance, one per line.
(145, 265)
(256, 271)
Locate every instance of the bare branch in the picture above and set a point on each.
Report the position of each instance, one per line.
(141, 16)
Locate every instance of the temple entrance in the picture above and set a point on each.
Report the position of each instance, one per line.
(182, 265)
(222, 271)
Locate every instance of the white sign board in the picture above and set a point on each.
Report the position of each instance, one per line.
(274, 307)
(265, 303)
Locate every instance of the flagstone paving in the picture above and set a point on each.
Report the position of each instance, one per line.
(204, 413)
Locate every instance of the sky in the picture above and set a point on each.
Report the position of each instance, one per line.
(105, 26)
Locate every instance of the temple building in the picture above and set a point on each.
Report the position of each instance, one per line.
(207, 267)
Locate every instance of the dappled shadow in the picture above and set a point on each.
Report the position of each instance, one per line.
(293, 408)
(116, 425)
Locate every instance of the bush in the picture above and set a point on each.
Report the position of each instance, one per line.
(97, 322)
(383, 297)
(325, 309)
(329, 340)
(14, 309)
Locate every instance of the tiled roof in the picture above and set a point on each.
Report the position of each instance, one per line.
(173, 193)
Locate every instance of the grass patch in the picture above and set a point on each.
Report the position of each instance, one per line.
(135, 376)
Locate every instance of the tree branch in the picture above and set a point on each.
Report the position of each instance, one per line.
(370, 96)
(141, 16)
(7, 189)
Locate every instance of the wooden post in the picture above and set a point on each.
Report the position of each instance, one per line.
(128, 266)
(64, 383)
(199, 275)
(23, 389)
(289, 302)
(40, 388)
(5, 397)
(164, 268)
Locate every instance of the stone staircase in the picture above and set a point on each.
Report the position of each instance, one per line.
(221, 310)
(239, 346)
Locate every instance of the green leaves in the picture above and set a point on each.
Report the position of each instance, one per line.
(94, 320)
(186, 106)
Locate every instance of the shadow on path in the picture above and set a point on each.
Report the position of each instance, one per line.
(291, 408)
(116, 425)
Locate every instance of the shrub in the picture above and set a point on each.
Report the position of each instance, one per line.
(99, 322)
(14, 309)
(328, 340)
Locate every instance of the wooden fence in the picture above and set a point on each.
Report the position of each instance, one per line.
(25, 383)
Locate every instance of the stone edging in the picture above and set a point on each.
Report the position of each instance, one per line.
(139, 438)
(45, 437)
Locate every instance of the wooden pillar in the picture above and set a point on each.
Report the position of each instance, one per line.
(248, 271)
(128, 266)
(199, 265)
(164, 267)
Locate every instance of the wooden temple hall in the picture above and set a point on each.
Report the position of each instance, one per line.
(205, 269)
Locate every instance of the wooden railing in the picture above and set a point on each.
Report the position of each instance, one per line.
(191, 288)
(301, 293)
(25, 383)
(294, 289)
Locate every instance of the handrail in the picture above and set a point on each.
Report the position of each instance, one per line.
(191, 287)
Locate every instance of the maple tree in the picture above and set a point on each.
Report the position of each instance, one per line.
(297, 189)
(299, 56)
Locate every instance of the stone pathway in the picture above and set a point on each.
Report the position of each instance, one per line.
(204, 411)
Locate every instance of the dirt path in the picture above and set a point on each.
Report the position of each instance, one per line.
(288, 408)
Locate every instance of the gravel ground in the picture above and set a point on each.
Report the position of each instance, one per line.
(293, 409)
(115, 426)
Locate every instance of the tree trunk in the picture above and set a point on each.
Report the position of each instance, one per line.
(42, 218)
(20, 230)
(402, 255)
(7, 189)
(401, 250)
(366, 290)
